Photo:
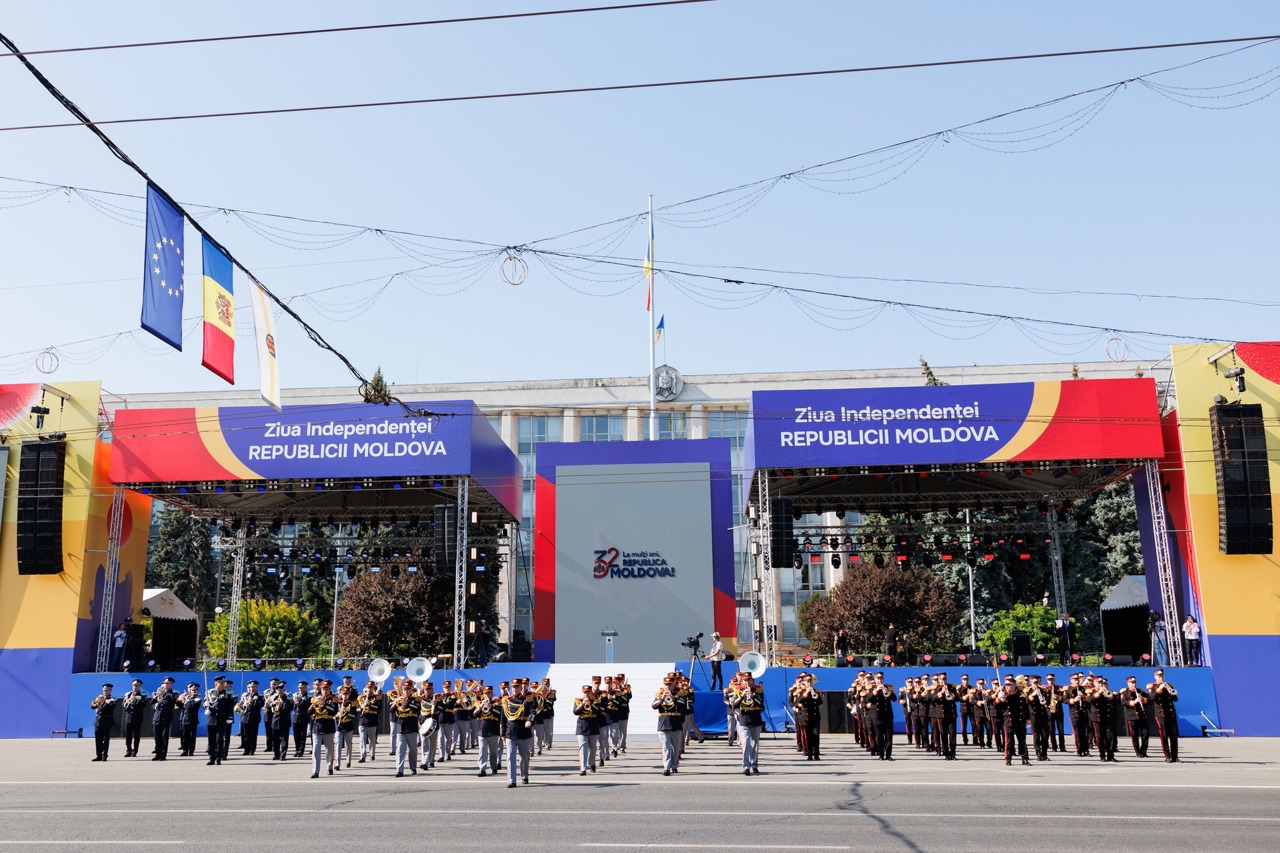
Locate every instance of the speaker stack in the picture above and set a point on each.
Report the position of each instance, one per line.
(40, 479)
(782, 550)
(1244, 483)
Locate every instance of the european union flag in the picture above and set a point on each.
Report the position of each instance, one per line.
(162, 283)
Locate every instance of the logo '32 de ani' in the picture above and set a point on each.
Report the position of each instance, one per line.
(604, 562)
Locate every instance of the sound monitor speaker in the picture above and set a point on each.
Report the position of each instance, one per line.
(1027, 660)
(1020, 645)
(1244, 483)
(39, 533)
(946, 660)
(977, 660)
(445, 517)
(1121, 660)
(782, 544)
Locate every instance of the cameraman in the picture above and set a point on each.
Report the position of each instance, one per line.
(716, 656)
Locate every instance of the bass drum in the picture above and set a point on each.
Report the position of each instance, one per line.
(427, 727)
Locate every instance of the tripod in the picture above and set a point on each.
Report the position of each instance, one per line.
(696, 657)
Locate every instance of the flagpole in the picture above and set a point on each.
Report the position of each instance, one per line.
(653, 391)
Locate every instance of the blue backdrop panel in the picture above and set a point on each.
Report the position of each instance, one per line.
(33, 688)
(1196, 693)
(85, 686)
(1248, 693)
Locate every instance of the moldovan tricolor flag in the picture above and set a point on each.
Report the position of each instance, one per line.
(219, 313)
(265, 332)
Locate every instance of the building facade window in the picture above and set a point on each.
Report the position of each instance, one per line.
(672, 425)
(604, 427)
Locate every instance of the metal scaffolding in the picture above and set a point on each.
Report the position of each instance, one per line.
(764, 619)
(460, 577)
(110, 580)
(1164, 565)
(237, 595)
(1055, 562)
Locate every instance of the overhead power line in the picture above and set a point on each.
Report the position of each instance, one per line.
(119, 153)
(621, 87)
(354, 29)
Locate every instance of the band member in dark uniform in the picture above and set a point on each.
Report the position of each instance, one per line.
(250, 710)
(406, 712)
(189, 718)
(268, 716)
(964, 690)
(219, 707)
(1039, 701)
(163, 701)
(670, 724)
(301, 719)
(748, 701)
(880, 715)
(809, 707)
(1134, 701)
(1016, 712)
(981, 715)
(104, 709)
(1078, 702)
(518, 711)
(324, 716)
(1102, 712)
(1163, 695)
(1057, 714)
(135, 706)
(489, 715)
(587, 710)
(944, 695)
(281, 708)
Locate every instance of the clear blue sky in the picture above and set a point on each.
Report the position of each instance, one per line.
(1151, 196)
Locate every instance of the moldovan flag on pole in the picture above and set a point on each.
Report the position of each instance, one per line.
(265, 332)
(162, 278)
(219, 313)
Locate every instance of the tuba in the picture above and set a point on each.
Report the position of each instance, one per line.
(379, 672)
(754, 663)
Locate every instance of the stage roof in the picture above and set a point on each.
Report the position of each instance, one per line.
(314, 462)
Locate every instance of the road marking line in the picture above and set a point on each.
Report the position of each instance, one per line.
(647, 846)
(658, 812)
(691, 780)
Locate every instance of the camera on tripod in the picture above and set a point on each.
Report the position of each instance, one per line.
(1153, 621)
(693, 644)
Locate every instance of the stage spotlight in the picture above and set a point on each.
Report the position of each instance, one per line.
(927, 659)
(1012, 474)
(840, 514)
(1040, 660)
(835, 561)
(152, 667)
(887, 660)
(808, 660)
(1004, 658)
(1146, 659)
(1075, 658)
(186, 664)
(299, 663)
(962, 659)
(259, 664)
(1059, 472)
(340, 663)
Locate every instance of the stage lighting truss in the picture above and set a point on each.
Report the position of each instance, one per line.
(888, 489)
(979, 540)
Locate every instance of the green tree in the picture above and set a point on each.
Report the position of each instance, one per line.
(1036, 619)
(396, 614)
(377, 391)
(180, 559)
(268, 629)
(871, 596)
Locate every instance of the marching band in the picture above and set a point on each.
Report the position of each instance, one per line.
(519, 717)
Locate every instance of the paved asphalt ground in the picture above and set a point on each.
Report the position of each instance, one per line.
(1225, 797)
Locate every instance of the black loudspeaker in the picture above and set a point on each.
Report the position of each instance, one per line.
(40, 476)
(782, 544)
(977, 660)
(1027, 660)
(1020, 645)
(946, 660)
(1244, 484)
(835, 716)
(1121, 660)
(445, 517)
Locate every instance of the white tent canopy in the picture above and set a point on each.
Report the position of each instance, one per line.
(1130, 592)
(163, 604)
